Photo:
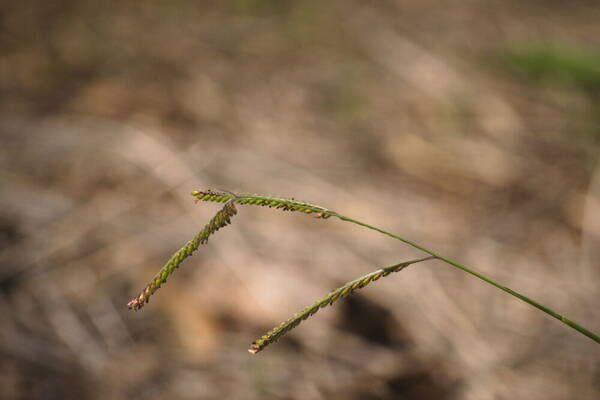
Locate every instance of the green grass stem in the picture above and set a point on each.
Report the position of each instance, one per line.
(322, 212)
(518, 295)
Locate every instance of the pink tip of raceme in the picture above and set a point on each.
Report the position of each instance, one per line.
(135, 304)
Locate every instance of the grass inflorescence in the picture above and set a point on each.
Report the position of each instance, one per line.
(223, 217)
(346, 289)
(265, 201)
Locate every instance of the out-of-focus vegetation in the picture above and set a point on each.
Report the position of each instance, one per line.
(563, 67)
(557, 64)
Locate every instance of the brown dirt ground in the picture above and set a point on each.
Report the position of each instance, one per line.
(393, 112)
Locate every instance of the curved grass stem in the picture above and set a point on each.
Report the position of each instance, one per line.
(322, 212)
(518, 295)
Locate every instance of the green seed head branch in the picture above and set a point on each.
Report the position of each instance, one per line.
(272, 202)
(221, 219)
(347, 289)
(322, 212)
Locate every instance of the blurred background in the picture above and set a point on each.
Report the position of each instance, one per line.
(470, 127)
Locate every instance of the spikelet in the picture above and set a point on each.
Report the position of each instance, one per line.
(265, 201)
(347, 289)
(221, 219)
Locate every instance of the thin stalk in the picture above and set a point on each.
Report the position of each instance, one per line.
(322, 212)
(518, 295)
